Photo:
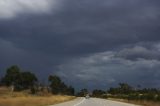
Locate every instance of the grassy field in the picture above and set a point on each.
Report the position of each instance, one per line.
(138, 102)
(24, 99)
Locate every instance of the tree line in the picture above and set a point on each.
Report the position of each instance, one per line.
(19, 80)
(125, 91)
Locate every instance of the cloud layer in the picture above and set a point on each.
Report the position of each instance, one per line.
(10, 8)
(94, 42)
(110, 68)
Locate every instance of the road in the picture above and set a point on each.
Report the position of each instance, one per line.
(93, 102)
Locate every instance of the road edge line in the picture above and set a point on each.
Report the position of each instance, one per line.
(79, 102)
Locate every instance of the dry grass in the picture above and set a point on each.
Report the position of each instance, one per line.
(33, 101)
(24, 99)
(145, 103)
(138, 102)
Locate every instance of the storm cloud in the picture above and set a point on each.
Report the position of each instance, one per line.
(83, 41)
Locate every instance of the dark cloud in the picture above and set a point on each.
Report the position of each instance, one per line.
(80, 29)
(107, 69)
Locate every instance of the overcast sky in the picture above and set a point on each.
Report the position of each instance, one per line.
(88, 43)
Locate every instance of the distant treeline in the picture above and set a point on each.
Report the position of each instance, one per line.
(125, 91)
(19, 80)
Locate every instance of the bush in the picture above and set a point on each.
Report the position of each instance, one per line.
(33, 90)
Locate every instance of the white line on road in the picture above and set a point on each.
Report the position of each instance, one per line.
(80, 102)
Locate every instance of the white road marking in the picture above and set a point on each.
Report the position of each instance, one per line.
(80, 102)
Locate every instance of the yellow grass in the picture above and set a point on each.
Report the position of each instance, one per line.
(138, 102)
(25, 99)
(33, 101)
(145, 103)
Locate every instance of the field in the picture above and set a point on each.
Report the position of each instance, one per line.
(24, 99)
(138, 102)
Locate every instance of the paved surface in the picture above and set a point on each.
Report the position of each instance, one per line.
(93, 102)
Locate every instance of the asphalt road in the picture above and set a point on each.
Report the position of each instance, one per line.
(93, 102)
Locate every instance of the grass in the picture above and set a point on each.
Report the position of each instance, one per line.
(33, 101)
(25, 99)
(138, 102)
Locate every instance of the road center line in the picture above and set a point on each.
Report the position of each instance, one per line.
(80, 102)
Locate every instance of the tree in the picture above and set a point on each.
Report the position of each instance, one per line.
(98, 93)
(122, 89)
(114, 91)
(70, 90)
(125, 88)
(59, 87)
(55, 84)
(12, 76)
(28, 80)
(82, 93)
(1, 82)
(17, 79)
